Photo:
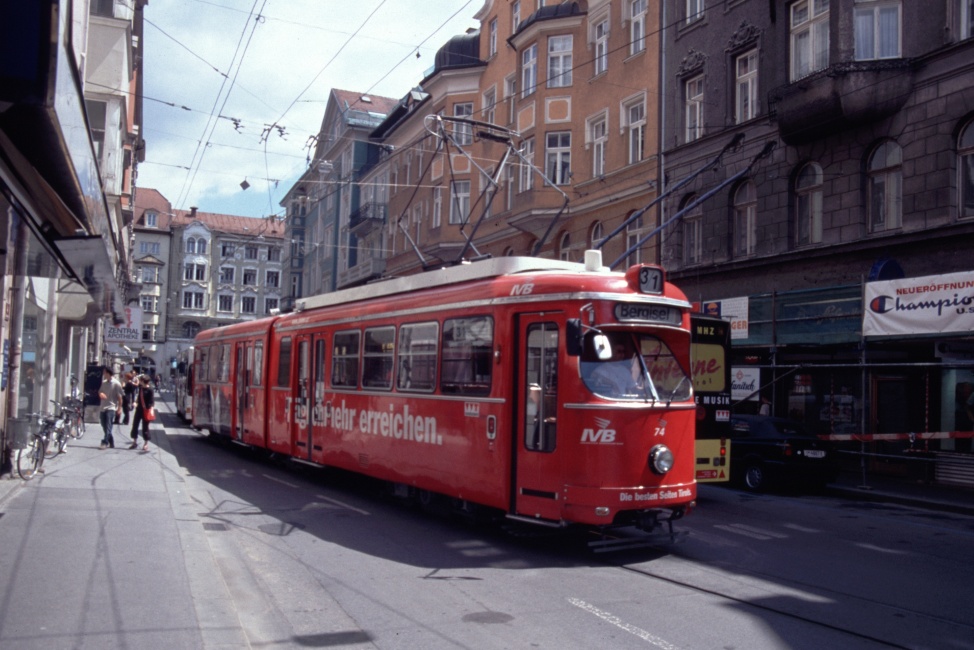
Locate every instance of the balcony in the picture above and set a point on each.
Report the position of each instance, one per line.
(368, 218)
(842, 96)
(367, 269)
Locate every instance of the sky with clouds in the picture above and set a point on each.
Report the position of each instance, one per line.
(234, 89)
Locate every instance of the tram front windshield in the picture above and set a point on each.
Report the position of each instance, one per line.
(642, 368)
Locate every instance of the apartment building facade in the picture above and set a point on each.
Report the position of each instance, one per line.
(197, 270)
(869, 108)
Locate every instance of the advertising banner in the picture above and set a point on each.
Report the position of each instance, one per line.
(933, 304)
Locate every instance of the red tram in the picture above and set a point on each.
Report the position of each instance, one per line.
(553, 392)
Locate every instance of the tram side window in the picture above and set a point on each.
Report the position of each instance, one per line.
(284, 363)
(344, 359)
(467, 347)
(541, 384)
(416, 363)
(223, 373)
(378, 356)
(258, 377)
(202, 358)
(319, 376)
(213, 369)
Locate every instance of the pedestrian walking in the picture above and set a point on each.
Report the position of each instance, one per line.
(130, 386)
(110, 393)
(144, 412)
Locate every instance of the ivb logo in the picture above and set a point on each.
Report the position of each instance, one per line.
(603, 435)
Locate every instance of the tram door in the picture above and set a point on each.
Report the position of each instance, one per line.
(537, 462)
(316, 430)
(249, 398)
(301, 398)
(240, 389)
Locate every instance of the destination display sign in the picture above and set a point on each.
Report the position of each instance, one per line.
(643, 313)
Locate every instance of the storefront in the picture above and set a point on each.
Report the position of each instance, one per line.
(886, 368)
(60, 261)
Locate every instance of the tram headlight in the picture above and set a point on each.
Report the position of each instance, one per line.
(661, 459)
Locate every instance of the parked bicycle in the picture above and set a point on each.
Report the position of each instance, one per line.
(76, 406)
(31, 457)
(66, 426)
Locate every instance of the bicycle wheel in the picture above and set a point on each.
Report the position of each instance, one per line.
(76, 426)
(79, 425)
(59, 440)
(29, 460)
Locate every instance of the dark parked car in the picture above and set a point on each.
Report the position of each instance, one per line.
(767, 450)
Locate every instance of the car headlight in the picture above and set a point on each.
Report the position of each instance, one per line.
(661, 459)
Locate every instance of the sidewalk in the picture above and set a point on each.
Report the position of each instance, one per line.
(106, 549)
(884, 489)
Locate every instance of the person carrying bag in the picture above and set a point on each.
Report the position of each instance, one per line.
(145, 412)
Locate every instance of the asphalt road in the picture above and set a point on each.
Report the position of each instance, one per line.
(209, 545)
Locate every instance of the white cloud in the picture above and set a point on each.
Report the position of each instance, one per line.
(291, 57)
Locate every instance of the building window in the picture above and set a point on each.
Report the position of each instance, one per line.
(490, 99)
(885, 187)
(515, 16)
(695, 9)
(224, 304)
(437, 207)
(529, 70)
(195, 272)
(463, 132)
(248, 305)
(559, 61)
(190, 329)
(633, 235)
(151, 220)
(273, 279)
(251, 252)
(694, 108)
(808, 205)
(558, 157)
(595, 234)
(637, 26)
(745, 219)
(634, 114)
(526, 176)
(809, 37)
(966, 16)
(148, 332)
(565, 247)
(601, 47)
(598, 133)
(877, 26)
(746, 105)
(692, 232)
(193, 300)
(149, 247)
(201, 246)
(274, 254)
(250, 277)
(492, 42)
(226, 275)
(150, 304)
(459, 202)
(226, 250)
(269, 304)
(191, 246)
(150, 274)
(965, 168)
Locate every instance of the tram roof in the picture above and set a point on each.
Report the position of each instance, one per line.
(467, 272)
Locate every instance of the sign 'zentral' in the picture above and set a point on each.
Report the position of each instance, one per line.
(932, 304)
(128, 332)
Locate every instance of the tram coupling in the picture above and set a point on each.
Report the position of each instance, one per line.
(649, 528)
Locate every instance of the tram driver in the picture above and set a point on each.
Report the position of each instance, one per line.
(619, 376)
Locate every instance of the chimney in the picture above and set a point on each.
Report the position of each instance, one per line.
(192, 212)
